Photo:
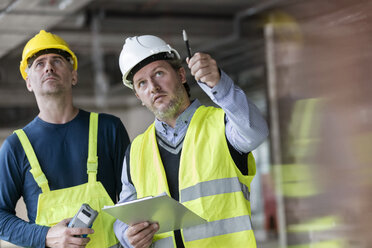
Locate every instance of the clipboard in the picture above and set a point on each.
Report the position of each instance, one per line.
(169, 213)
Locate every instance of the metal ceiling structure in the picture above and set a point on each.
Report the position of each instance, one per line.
(231, 31)
(77, 21)
(111, 21)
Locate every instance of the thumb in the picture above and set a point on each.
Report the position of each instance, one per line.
(65, 222)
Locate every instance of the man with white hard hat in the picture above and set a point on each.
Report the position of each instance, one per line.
(200, 156)
(63, 158)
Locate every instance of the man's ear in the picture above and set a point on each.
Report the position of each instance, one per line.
(28, 84)
(74, 78)
(135, 93)
(139, 98)
(182, 75)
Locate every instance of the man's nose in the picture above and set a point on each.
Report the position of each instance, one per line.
(49, 67)
(154, 86)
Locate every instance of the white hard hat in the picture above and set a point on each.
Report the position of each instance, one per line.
(139, 51)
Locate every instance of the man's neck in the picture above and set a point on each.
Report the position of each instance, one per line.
(57, 112)
(171, 121)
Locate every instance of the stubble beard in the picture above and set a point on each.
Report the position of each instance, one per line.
(52, 89)
(174, 107)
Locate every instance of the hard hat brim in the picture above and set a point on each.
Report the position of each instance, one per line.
(24, 65)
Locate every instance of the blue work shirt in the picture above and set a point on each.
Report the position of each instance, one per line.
(62, 151)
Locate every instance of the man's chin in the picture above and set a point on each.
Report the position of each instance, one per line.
(161, 113)
(53, 91)
(165, 110)
(159, 106)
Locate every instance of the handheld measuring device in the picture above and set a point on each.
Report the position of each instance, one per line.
(84, 217)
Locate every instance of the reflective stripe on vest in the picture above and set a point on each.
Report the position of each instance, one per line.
(205, 182)
(218, 227)
(164, 243)
(214, 187)
(53, 206)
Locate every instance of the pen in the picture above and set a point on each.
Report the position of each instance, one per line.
(187, 43)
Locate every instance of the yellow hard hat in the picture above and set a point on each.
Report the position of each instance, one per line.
(42, 41)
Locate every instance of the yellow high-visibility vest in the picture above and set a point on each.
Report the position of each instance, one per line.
(210, 184)
(54, 206)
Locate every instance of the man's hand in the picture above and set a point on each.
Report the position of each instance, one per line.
(140, 235)
(62, 236)
(204, 68)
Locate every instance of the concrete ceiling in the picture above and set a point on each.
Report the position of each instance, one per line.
(83, 23)
(21, 19)
(230, 30)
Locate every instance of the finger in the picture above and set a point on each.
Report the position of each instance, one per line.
(147, 239)
(80, 231)
(207, 62)
(139, 238)
(202, 73)
(198, 71)
(208, 75)
(65, 222)
(78, 242)
(204, 65)
(194, 59)
(144, 243)
(213, 77)
(136, 228)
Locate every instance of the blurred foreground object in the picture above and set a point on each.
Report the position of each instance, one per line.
(319, 74)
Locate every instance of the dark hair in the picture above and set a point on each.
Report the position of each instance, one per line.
(176, 65)
(63, 53)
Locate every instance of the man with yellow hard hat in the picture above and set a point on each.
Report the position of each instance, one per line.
(63, 158)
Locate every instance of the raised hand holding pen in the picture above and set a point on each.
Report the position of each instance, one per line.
(202, 66)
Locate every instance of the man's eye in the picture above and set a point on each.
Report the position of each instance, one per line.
(38, 64)
(57, 61)
(141, 83)
(159, 73)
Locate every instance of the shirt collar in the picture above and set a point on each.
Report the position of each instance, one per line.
(182, 120)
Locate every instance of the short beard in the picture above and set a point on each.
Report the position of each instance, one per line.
(174, 107)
